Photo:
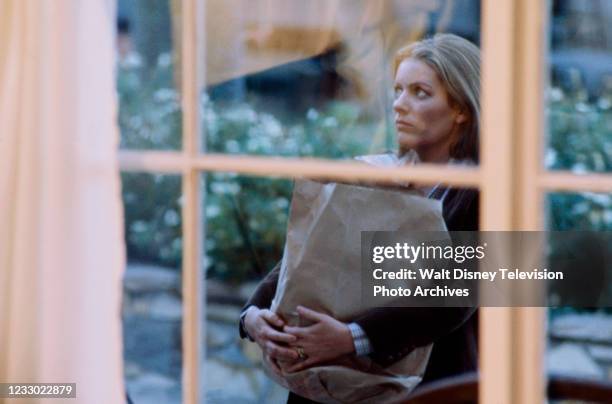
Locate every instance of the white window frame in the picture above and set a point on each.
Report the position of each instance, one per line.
(511, 178)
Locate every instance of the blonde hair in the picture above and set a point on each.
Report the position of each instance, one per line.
(457, 63)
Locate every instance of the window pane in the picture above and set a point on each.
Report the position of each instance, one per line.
(245, 226)
(246, 220)
(580, 340)
(580, 96)
(152, 298)
(147, 75)
(295, 78)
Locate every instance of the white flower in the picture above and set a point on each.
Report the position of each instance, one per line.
(604, 103)
(595, 217)
(330, 122)
(271, 126)
(550, 158)
(607, 217)
(165, 94)
(555, 94)
(312, 114)
(281, 203)
(582, 107)
(600, 199)
(241, 113)
(164, 59)
(579, 168)
(212, 211)
(232, 146)
(171, 217)
(225, 188)
(139, 226)
(580, 208)
(131, 61)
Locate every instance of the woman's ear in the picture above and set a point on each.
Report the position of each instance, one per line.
(461, 117)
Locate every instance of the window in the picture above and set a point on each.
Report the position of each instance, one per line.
(579, 121)
(230, 140)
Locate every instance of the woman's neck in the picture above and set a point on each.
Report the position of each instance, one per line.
(434, 154)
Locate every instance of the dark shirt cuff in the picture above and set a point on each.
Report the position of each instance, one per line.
(242, 329)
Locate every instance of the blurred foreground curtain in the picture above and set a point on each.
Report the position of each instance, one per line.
(61, 241)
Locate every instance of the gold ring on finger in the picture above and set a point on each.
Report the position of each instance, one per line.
(300, 352)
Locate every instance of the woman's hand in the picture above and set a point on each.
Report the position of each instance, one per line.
(326, 339)
(263, 325)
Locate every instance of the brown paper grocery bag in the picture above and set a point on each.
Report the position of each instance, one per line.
(321, 268)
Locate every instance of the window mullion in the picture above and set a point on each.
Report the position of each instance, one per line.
(176, 162)
(512, 339)
(192, 280)
(532, 49)
(497, 324)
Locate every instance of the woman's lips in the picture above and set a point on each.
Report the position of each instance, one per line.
(402, 125)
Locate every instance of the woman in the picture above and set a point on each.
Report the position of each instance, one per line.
(437, 113)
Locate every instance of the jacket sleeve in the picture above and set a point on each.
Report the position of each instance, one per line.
(262, 297)
(395, 331)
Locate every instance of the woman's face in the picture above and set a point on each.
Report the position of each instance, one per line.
(424, 120)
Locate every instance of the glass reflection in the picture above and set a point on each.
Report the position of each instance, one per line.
(294, 78)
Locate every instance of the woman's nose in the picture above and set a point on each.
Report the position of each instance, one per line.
(400, 105)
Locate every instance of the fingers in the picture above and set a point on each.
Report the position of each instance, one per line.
(257, 321)
(303, 332)
(278, 352)
(273, 365)
(271, 334)
(272, 318)
(310, 314)
(284, 365)
(301, 365)
(299, 332)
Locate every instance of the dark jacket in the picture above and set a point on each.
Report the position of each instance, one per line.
(453, 330)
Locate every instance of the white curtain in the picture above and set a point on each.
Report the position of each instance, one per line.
(61, 241)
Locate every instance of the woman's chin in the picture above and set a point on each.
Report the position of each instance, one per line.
(406, 142)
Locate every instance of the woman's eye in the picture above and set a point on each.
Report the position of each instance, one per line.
(420, 93)
(397, 91)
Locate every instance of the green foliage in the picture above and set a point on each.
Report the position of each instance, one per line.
(245, 224)
(149, 119)
(581, 134)
(242, 128)
(581, 141)
(152, 217)
(149, 112)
